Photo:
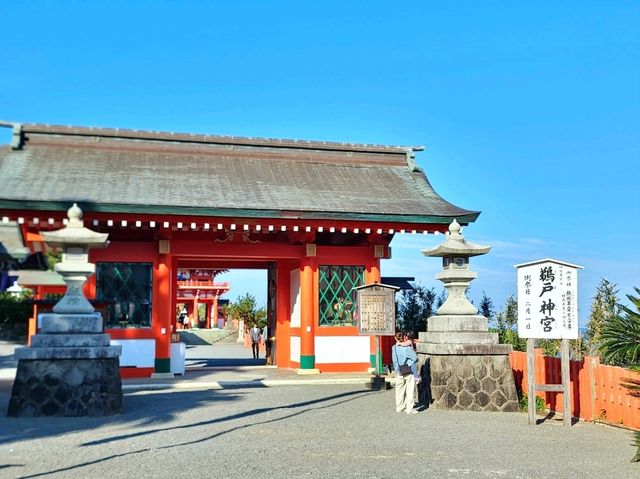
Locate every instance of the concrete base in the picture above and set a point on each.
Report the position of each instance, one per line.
(66, 387)
(303, 372)
(468, 382)
(163, 375)
(378, 383)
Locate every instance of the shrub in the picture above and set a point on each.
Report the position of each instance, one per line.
(14, 316)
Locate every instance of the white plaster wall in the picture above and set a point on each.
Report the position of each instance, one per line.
(294, 348)
(140, 353)
(342, 349)
(295, 298)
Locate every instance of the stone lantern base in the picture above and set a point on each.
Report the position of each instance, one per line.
(66, 387)
(464, 367)
(69, 370)
(468, 382)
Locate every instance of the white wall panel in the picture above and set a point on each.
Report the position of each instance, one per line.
(294, 348)
(140, 353)
(342, 349)
(295, 298)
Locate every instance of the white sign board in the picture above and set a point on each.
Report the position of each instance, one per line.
(548, 300)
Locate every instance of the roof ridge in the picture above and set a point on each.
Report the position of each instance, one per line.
(204, 138)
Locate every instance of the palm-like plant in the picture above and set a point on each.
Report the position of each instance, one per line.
(621, 346)
(620, 336)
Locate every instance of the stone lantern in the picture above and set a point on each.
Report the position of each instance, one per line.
(75, 241)
(456, 276)
(463, 365)
(70, 369)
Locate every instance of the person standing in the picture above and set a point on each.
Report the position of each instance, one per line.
(404, 355)
(266, 337)
(184, 318)
(254, 334)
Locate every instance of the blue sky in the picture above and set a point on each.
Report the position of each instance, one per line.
(530, 112)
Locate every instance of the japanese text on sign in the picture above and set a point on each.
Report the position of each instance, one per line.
(547, 300)
(376, 311)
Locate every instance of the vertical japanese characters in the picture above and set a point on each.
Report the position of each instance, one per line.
(547, 300)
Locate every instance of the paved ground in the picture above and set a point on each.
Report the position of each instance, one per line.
(296, 430)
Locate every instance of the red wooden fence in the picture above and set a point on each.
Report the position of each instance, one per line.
(596, 390)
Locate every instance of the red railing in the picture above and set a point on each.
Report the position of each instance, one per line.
(597, 391)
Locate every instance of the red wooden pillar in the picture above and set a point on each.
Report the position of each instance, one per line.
(372, 275)
(207, 313)
(283, 315)
(174, 293)
(372, 272)
(308, 269)
(195, 311)
(163, 314)
(214, 312)
(32, 326)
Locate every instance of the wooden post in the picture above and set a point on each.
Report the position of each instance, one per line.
(592, 384)
(531, 381)
(377, 355)
(566, 402)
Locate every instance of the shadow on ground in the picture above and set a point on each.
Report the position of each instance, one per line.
(137, 413)
(145, 408)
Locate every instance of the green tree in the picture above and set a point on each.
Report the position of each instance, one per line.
(442, 297)
(414, 307)
(550, 347)
(505, 323)
(577, 348)
(620, 345)
(486, 308)
(246, 309)
(14, 315)
(53, 258)
(603, 309)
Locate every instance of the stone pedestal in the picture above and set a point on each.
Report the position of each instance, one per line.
(464, 367)
(69, 370)
(472, 382)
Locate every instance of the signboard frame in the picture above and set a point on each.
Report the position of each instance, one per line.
(548, 299)
(376, 310)
(552, 286)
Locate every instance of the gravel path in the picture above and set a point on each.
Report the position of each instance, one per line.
(304, 431)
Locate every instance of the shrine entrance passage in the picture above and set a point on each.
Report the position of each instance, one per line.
(212, 337)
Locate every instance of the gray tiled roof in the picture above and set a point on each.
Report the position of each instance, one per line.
(50, 167)
(11, 243)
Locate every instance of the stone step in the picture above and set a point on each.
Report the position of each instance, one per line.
(42, 340)
(460, 337)
(463, 349)
(69, 353)
(208, 336)
(456, 323)
(70, 323)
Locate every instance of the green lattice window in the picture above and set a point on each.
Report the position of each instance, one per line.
(337, 294)
(125, 289)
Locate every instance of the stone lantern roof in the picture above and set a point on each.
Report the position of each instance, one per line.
(456, 245)
(75, 234)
